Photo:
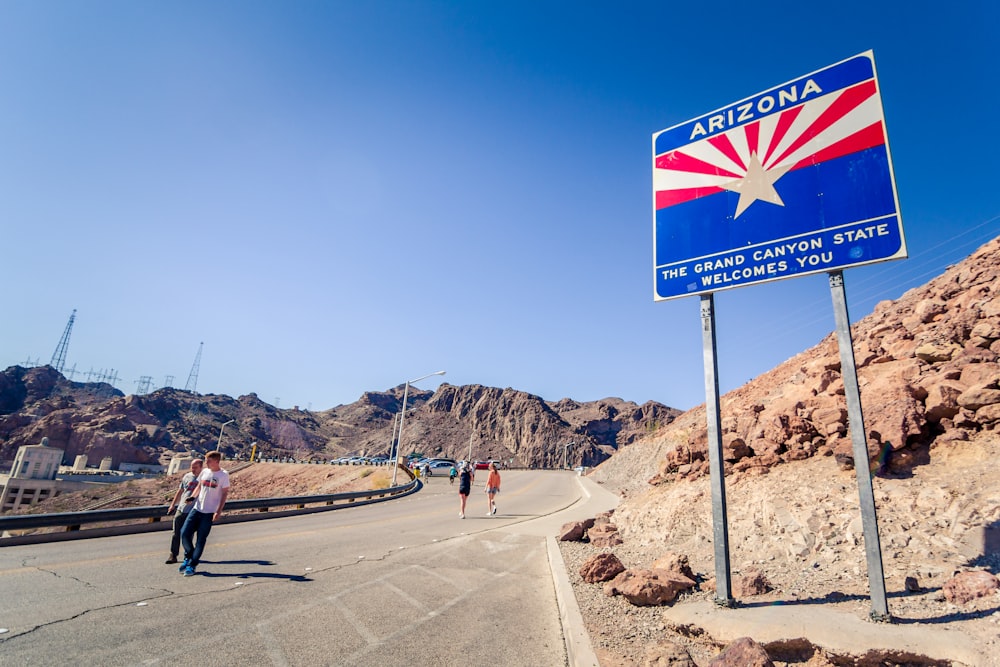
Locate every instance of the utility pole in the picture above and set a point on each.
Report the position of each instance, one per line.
(59, 356)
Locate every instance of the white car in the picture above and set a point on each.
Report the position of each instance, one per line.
(439, 467)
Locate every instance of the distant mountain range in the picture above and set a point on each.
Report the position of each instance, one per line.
(98, 420)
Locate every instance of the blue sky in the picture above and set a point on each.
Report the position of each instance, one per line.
(336, 197)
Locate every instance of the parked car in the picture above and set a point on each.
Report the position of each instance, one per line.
(439, 467)
(482, 465)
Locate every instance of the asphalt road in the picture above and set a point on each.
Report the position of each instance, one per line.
(398, 582)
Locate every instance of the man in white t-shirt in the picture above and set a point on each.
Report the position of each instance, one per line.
(211, 494)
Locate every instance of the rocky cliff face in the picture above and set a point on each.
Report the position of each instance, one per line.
(928, 372)
(506, 424)
(479, 422)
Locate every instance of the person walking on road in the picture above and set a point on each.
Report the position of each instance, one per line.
(183, 501)
(465, 478)
(492, 488)
(211, 492)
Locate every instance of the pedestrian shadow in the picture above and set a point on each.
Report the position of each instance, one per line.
(255, 575)
(249, 575)
(237, 562)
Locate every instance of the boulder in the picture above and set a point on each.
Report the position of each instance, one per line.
(967, 586)
(604, 535)
(645, 588)
(988, 415)
(675, 563)
(750, 582)
(900, 415)
(942, 401)
(978, 397)
(575, 531)
(981, 375)
(665, 653)
(734, 448)
(936, 352)
(601, 567)
(743, 652)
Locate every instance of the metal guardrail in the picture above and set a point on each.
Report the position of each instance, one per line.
(155, 515)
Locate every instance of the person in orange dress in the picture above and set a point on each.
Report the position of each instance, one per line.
(492, 487)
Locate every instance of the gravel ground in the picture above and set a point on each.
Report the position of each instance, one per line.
(799, 525)
(619, 631)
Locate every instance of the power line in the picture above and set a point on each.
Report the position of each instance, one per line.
(886, 282)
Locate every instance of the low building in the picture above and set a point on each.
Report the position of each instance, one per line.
(32, 477)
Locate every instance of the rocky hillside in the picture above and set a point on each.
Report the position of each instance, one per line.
(99, 421)
(928, 372)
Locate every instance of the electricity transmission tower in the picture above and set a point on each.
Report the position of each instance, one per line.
(59, 356)
(192, 383)
(144, 382)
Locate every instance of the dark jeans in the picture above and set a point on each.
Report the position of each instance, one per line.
(175, 539)
(197, 522)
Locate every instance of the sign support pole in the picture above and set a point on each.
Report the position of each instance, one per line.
(720, 526)
(869, 520)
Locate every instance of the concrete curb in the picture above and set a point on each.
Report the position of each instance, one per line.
(579, 650)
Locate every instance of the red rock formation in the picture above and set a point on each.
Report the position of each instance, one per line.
(929, 373)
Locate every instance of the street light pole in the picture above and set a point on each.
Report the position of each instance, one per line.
(393, 440)
(219, 443)
(402, 418)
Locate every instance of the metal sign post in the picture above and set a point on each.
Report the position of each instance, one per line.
(720, 524)
(792, 181)
(859, 443)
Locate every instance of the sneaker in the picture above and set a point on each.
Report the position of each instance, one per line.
(171, 560)
(189, 571)
(461, 515)
(184, 566)
(494, 509)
